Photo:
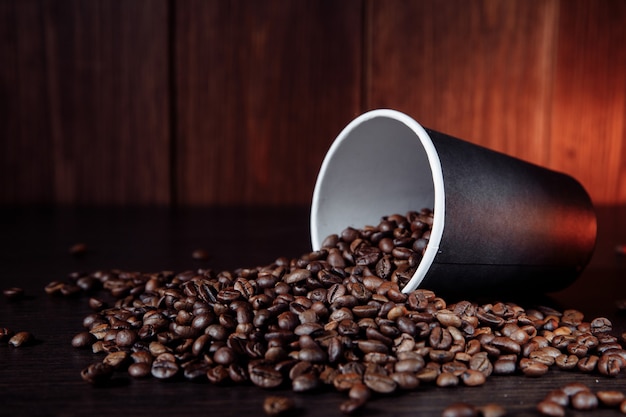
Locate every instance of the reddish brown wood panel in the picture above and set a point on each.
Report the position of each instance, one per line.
(26, 169)
(588, 120)
(478, 70)
(88, 102)
(263, 88)
(107, 67)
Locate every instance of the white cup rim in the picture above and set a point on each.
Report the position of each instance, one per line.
(424, 145)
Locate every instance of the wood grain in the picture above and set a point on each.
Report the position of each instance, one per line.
(26, 169)
(478, 70)
(108, 92)
(262, 90)
(588, 128)
(236, 102)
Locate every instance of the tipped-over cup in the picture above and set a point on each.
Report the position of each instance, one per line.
(500, 224)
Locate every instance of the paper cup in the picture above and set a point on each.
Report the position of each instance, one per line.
(500, 224)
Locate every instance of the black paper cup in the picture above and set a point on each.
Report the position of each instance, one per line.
(500, 225)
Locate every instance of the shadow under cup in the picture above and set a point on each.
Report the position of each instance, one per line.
(501, 225)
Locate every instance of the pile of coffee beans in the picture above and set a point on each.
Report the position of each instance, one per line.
(336, 317)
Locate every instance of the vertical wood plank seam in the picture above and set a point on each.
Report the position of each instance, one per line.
(172, 103)
(366, 54)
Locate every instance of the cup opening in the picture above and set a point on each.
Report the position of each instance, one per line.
(382, 163)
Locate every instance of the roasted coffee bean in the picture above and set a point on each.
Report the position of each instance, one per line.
(274, 405)
(584, 400)
(473, 378)
(550, 408)
(125, 337)
(13, 293)
(447, 379)
(601, 325)
(305, 382)
(116, 360)
(574, 388)
(405, 380)
(415, 364)
(83, 340)
(139, 369)
(611, 364)
(480, 362)
(97, 373)
(491, 410)
(533, 368)
(217, 375)
(20, 339)
(351, 406)
(558, 396)
(504, 366)
(460, 410)
(566, 362)
(379, 382)
(588, 363)
(610, 398)
(264, 376)
(440, 338)
(164, 366)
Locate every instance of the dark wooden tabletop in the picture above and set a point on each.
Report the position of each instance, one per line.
(44, 378)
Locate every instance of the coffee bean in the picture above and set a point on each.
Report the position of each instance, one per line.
(550, 408)
(20, 339)
(380, 383)
(13, 293)
(264, 376)
(533, 368)
(587, 363)
(473, 378)
(97, 373)
(116, 360)
(491, 410)
(460, 410)
(275, 405)
(139, 370)
(610, 398)
(83, 340)
(125, 337)
(574, 388)
(351, 406)
(164, 366)
(566, 362)
(504, 366)
(447, 379)
(217, 375)
(584, 400)
(611, 364)
(558, 396)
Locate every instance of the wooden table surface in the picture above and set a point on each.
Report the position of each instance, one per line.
(44, 378)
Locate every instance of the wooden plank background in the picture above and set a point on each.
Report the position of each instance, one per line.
(236, 101)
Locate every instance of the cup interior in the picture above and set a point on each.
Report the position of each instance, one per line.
(382, 163)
